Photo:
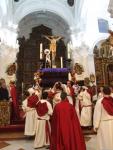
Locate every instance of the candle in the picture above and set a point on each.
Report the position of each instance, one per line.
(68, 51)
(41, 51)
(22, 89)
(61, 62)
(22, 86)
(69, 76)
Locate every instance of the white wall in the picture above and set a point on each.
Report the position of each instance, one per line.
(80, 19)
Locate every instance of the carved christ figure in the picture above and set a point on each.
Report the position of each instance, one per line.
(53, 40)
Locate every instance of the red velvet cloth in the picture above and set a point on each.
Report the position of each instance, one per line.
(32, 100)
(108, 105)
(92, 91)
(66, 132)
(47, 129)
(41, 108)
(15, 104)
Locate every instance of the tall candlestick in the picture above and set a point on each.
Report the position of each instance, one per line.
(41, 53)
(61, 62)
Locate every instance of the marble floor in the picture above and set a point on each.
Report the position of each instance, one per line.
(28, 144)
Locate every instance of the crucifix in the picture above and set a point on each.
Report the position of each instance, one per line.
(53, 40)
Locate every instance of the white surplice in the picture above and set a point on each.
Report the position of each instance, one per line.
(86, 112)
(41, 135)
(104, 122)
(30, 119)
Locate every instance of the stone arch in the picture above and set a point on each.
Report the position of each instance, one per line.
(97, 41)
(53, 7)
(51, 20)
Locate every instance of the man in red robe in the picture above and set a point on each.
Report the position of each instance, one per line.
(15, 103)
(66, 132)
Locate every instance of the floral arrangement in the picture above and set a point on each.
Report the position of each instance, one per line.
(37, 75)
(11, 69)
(47, 51)
(54, 70)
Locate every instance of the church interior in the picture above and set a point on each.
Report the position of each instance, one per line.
(44, 46)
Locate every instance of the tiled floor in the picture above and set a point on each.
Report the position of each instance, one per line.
(28, 144)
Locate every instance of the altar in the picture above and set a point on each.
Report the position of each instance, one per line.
(52, 75)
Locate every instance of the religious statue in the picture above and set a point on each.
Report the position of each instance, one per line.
(92, 78)
(11, 72)
(111, 37)
(11, 69)
(47, 58)
(70, 2)
(37, 76)
(53, 40)
(111, 43)
(78, 68)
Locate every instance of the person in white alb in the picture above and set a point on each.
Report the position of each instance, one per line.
(44, 111)
(86, 108)
(103, 121)
(30, 112)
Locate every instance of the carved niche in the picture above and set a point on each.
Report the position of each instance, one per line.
(70, 2)
(103, 57)
(28, 58)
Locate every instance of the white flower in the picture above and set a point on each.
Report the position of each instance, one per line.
(46, 51)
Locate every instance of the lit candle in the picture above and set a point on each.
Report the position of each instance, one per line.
(41, 51)
(22, 89)
(61, 61)
(68, 51)
(69, 76)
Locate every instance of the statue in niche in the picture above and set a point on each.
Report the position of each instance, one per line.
(47, 58)
(70, 2)
(111, 43)
(111, 37)
(78, 68)
(77, 74)
(11, 72)
(53, 40)
(11, 69)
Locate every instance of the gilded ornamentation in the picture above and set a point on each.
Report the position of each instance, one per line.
(78, 68)
(11, 69)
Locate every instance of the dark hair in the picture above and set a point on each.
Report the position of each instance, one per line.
(63, 95)
(44, 95)
(58, 86)
(106, 90)
(71, 82)
(26, 93)
(12, 82)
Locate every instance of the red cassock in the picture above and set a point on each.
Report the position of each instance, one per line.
(66, 132)
(15, 104)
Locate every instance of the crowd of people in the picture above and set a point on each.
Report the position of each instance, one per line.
(55, 115)
(60, 112)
